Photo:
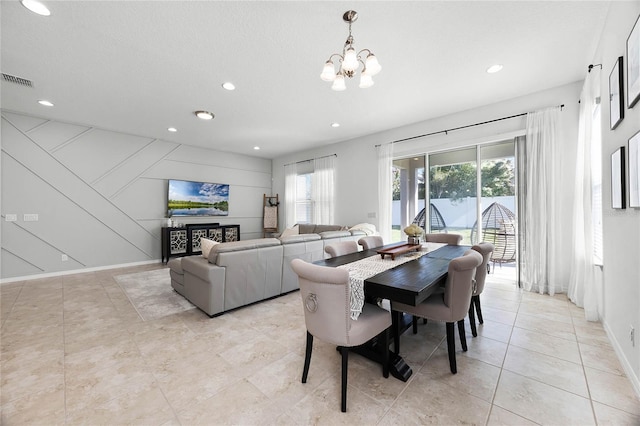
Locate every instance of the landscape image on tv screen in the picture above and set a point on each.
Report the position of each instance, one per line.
(198, 198)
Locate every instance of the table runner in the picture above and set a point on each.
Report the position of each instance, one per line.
(360, 270)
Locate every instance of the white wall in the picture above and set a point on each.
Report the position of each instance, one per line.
(357, 172)
(101, 196)
(621, 228)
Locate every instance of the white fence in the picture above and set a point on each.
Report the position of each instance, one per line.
(456, 214)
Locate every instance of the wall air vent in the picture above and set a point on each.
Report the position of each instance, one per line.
(17, 80)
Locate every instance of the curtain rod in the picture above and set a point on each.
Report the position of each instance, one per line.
(311, 159)
(461, 127)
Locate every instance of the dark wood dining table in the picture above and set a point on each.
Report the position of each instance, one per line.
(409, 283)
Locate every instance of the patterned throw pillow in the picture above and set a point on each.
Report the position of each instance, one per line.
(206, 245)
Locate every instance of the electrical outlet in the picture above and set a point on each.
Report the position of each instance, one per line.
(64, 257)
(371, 215)
(33, 217)
(10, 217)
(632, 335)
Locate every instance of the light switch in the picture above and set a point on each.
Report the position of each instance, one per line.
(33, 217)
(10, 217)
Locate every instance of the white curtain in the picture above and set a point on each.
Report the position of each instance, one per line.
(385, 194)
(323, 191)
(290, 174)
(586, 277)
(540, 210)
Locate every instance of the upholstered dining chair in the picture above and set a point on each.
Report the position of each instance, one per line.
(327, 314)
(450, 306)
(342, 247)
(370, 242)
(442, 238)
(485, 249)
(450, 239)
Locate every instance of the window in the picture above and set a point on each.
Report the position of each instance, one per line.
(304, 203)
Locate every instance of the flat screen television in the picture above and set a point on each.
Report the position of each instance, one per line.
(186, 198)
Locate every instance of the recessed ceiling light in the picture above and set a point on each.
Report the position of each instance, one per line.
(204, 115)
(172, 129)
(45, 103)
(36, 7)
(494, 68)
(228, 86)
(257, 148)
(335, 124)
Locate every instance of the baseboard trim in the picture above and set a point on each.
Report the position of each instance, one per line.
(76, 271)
(628, 370)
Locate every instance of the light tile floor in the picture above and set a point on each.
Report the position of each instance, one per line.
(75, 351)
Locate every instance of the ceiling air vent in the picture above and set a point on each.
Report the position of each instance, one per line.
(17, 80)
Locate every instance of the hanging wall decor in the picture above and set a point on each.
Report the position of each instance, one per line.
(633, 65)
(616, 101)
(634, 170)
(618, 189)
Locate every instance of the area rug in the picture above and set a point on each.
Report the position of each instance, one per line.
(151, 294)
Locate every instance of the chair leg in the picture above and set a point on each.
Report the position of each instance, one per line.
(414, 323)
(345, 360)
(476, 301)
(385, 355)
(424, 320)
(307, 357)
(463, 337)
(451, 348)
(472, 320)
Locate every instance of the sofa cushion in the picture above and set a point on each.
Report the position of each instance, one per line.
(324, 228)
(334, 234)
(306, 228)
(206, 245)
(241, 245)
(292, 239)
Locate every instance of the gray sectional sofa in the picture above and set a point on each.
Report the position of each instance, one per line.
(239, 273)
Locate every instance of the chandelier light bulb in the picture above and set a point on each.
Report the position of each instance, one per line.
(328, 72)
(365, 80)
(339, 84)
(371, 65)
(350, 61)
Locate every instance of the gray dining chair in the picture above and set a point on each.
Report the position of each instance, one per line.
(370, 242)
(451, 306)
(327, 314)
(485, 249)
(341, 248)
(450, 239)
(442, 238)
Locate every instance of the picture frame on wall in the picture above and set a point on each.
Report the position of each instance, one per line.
(633, 65)
(634, 170)
(618, 190)
(616, 101)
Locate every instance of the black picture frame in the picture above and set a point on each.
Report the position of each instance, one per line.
(633, 65)
(618, 189)
(616, 98)
(634, 170)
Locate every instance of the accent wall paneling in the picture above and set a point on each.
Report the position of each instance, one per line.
(104, 208)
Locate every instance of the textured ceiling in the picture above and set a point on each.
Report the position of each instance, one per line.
(140, 67)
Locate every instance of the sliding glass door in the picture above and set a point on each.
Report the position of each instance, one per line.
(468, 191)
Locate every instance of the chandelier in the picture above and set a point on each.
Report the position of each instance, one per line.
(350, 61)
